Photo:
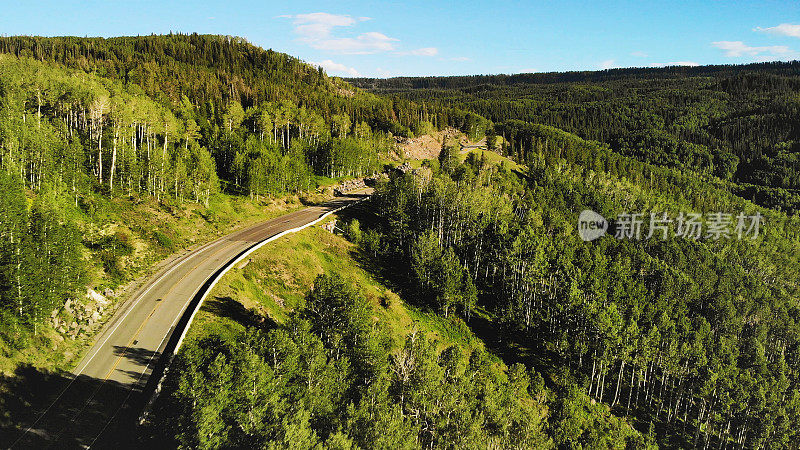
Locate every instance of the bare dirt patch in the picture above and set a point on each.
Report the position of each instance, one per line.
(428, 146)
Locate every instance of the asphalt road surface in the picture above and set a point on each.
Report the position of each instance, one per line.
(111, 382)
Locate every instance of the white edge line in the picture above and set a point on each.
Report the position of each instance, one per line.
(216, 279)
(97, 348)
(138, 379)
(85, 364)
(243, 256)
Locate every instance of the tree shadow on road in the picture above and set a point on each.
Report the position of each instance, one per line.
(40, 409)
(138, 355)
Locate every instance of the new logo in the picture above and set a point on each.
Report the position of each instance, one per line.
(591, 225)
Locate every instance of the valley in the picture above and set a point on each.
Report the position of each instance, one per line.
(210, 244)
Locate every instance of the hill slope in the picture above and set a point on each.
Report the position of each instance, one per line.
(97, 131)
(738, 123)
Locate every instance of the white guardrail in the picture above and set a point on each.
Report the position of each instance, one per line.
(216, 277)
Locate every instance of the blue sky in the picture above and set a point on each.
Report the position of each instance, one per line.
(373, 38)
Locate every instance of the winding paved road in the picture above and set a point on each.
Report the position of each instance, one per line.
(108, 383)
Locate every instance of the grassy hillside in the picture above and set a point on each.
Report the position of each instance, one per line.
(269, 293)
(123, 242)
(273, 284)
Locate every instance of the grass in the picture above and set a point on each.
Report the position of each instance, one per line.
(492, 158)
(124, 241)
(274, 282)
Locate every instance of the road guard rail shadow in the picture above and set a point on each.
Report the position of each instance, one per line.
(177, 333)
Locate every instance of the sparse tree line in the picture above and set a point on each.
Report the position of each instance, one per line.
(331, 377)
(279, 147)
(62, 127)
(739, 123)
(701, 339)
(40, 260)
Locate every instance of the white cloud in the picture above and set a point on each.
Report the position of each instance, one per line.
(331, 66)
(383, 73)
(608, 64)
(460, 59)
(784, 29)
(639, 54)
(366, 43)
(328, 32)
(319, 25)
(317, 30)
(736, 49)
(527, 71)
(426, 51)
(675, 63)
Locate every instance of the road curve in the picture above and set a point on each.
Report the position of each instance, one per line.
(108, 383)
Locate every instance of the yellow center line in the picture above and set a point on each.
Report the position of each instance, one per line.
(163, 299)
(134, 338)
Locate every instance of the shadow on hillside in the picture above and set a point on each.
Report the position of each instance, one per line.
(509, 344)
(229, 308)
(41, 409)
(387, 272)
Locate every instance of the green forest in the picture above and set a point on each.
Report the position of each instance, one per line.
(613, 343)
(691, 337)
(154, 117)
(736, 123)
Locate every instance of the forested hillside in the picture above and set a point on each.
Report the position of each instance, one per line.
(695, 338)
(738, 123)
(694, 342)
(213, 70)
(163, 120)
(349, 364)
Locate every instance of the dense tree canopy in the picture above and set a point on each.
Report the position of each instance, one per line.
(696, 341)
(697, 336)
(736, 122)
(329, 378)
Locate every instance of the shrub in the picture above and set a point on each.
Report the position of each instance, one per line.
(353, 231)
(163, 240)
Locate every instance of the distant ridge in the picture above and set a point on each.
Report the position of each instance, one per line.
(465, 81)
